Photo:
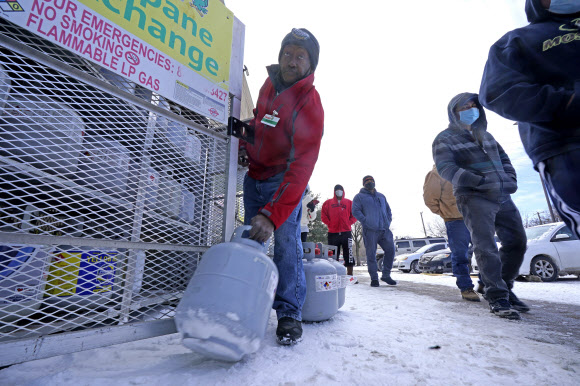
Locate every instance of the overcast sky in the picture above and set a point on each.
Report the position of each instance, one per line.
(386, 73)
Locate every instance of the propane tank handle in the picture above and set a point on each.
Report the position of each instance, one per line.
(308, 248)
(237, 238)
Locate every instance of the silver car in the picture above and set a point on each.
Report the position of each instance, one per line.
(409, 262)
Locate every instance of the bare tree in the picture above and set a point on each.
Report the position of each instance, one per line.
(437, 228)
(357, 240)
(537, 218)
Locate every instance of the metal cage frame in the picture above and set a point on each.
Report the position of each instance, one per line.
(144, 251)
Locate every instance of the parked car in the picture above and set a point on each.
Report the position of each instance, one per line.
(412, 245)
(409, 262)
(439, 261)
(553, 250)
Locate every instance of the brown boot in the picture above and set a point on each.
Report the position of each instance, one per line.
(349, 271)
(471, 295)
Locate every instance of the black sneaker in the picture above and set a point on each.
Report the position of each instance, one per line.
(480, 288)
(517, 303)
(375, 283)
(388, 280)
(503, 309)
(289, 331)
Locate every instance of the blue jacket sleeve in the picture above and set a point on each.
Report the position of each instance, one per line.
(508, 89)
(389, 214)
(357, 209)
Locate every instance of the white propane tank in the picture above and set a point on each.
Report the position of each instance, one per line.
(321, 287)
(343, 278)
(224, 311)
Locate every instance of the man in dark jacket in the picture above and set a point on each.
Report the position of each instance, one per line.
(337, 215)
(288, 122)
(483, 179)
(532, 76)
(374, 213)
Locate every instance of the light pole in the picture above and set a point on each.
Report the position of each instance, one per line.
(423, 222)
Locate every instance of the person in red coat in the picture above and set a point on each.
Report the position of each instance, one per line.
(288, 123)
(337, 215)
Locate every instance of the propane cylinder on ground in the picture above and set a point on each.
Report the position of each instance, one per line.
(329, 251)
(224, 311)
(321, 287)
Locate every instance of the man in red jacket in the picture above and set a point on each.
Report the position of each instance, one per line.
(288, 122)
(337, 215)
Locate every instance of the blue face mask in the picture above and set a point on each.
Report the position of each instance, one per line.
(564, 7)
(469, 116)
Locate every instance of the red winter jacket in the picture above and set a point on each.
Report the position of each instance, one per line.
(291, 147)
(337, 216)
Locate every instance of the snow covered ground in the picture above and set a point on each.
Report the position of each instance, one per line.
(381, 336)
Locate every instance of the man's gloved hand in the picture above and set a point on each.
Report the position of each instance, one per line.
(262, 228)
(243, 158)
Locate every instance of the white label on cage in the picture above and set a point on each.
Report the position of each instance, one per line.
(325, 283)
(273, 284)
(193, 148)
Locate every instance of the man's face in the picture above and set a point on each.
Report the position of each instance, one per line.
(466, 106)
(294, 63)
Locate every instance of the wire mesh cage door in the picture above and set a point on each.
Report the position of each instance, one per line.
(110, 194)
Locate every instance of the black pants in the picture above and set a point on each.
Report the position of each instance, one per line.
(303, 236)
(484, 218)
(344, 240)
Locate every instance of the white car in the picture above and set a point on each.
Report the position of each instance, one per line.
(553, 250)
(410, 261)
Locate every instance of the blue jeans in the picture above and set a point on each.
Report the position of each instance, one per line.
(562, 176)
(288, 252)
(484, 218)
(385, 239)
(459, 239)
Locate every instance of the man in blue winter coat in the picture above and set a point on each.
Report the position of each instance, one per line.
(532, 76)
(483, 179)
(372, 210)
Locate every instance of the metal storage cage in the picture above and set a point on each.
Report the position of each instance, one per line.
(109, 196)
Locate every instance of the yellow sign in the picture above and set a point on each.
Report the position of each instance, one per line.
(196, 33)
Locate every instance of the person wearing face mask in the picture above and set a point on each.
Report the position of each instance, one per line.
(483, 179)
(336, 213)
(532, 76)
(374, 213)
(288, 125)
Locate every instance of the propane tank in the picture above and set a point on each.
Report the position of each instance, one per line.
(225, 309)
(343, 278)
(321, 287)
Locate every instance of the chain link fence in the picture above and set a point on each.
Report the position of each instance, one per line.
(110, 193)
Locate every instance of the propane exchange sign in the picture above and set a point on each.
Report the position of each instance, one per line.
(179, 49)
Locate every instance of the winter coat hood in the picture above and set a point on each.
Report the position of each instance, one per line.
(479, 126)
(535, 11)
(338, 187)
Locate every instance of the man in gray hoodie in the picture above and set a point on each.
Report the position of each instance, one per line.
(483, 179)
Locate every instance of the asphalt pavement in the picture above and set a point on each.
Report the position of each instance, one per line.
(560, 321)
